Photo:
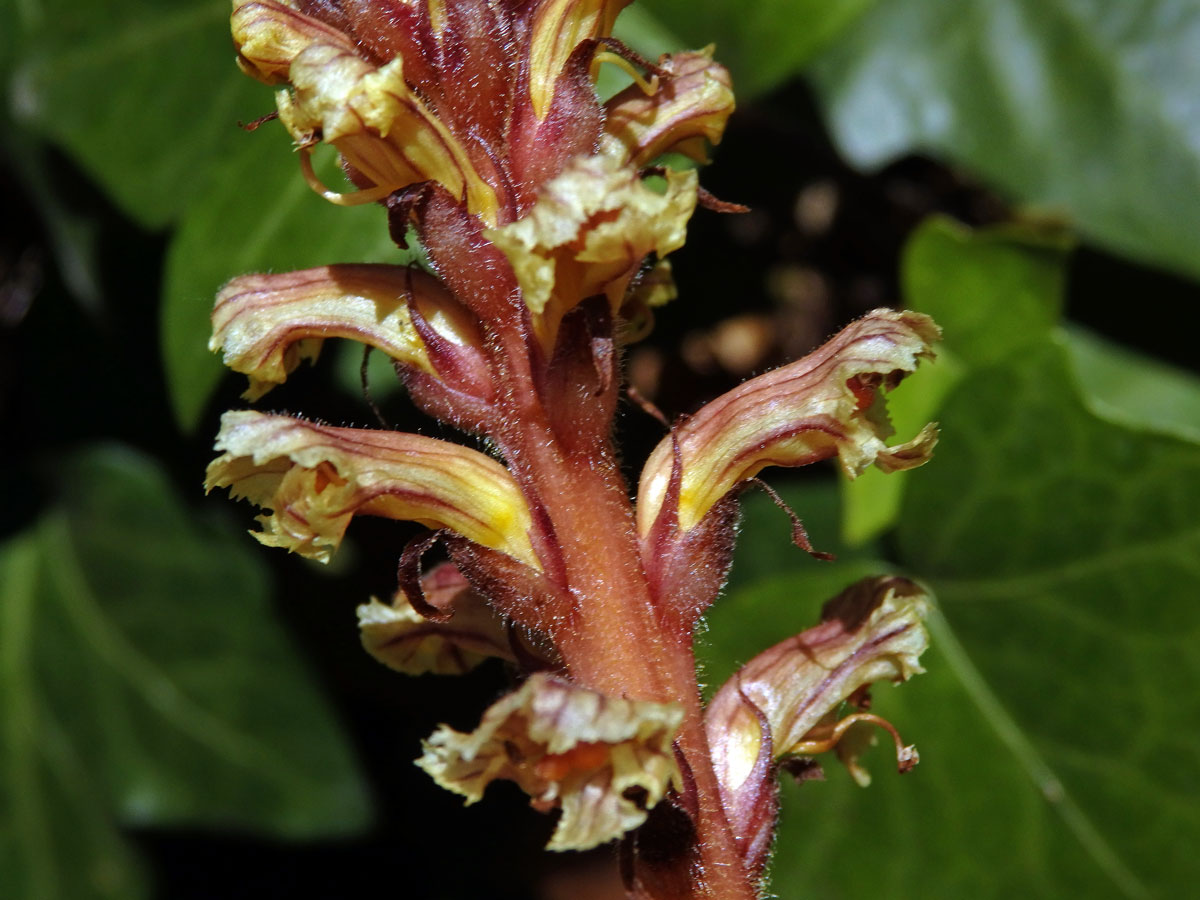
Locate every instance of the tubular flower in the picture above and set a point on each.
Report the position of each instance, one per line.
(588, 233)
(784, 702)
(686, 114)
(604, 761)
(403, 639)
(313, 479)
(267, 324)
(826, 404)
(487, 99)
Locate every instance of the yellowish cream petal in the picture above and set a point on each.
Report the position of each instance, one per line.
(604, 761)
(266, 324)
(402, 639)
(313, 479)
(827, 404)
(590, 230)
(269, 34)
(379, 124)
(783, 706)
(686, 114)
(559, 26)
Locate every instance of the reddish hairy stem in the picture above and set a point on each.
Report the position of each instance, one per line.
(616, 642)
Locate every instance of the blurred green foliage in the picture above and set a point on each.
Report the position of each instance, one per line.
(146, 682)
(1058, 526)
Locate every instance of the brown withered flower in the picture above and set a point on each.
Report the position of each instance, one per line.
(545, 215)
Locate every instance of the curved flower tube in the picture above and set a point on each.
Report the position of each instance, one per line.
(267, 324)
(403, 639)
(826, 404)
(560, 26)
(785, 702)
(313, 479)
(687, 114)
(383, 128)
(605, 761)
(589, 232)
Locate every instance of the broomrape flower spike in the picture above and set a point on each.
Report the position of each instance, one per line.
(476, 125)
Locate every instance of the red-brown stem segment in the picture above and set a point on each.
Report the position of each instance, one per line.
(616, 641)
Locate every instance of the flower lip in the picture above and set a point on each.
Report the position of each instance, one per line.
(686, 114)
(402, 639)
(489, 100)
(870, 632)
(589, 232)
(267, 324)
(605, 761)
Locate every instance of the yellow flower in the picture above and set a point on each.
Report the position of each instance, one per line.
(314, 479)
(783, 706)
(403, 639)
(605, 761)
(267, 324)
(486, 100)
(588, 233)
(827, 404)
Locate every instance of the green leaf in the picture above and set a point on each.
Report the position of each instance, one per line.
(1064, 549)
(166, 146)
(258, 215)
(762, 43)
(144, 94)
(1058, 525)
(56, 836)
(1126, 386)
(1086, 110)
(145, 682)
(992, 291)
(982, 816)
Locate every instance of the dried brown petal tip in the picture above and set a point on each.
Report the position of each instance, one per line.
(605, 761)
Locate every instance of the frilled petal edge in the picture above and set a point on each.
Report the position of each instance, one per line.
(604, 761)
(403, 639)
(827, 404)
(313, 479)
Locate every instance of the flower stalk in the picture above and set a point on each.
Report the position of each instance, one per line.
(546, 218)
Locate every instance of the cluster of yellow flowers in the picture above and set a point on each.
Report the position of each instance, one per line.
(546, 220)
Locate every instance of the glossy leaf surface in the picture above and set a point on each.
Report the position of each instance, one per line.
(1078, 109)
(145, 683)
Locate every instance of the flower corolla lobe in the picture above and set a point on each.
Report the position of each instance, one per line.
(605, 761)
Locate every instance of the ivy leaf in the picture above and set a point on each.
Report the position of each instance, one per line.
(762, 43)
(171, 101)
(1064, 550)
(1080, 109)
(144, 683)
(1127, 386)
(166, 146)
(259, 215)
